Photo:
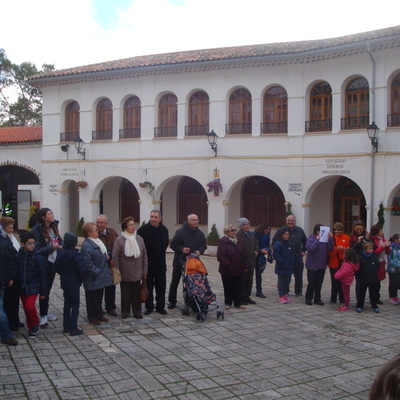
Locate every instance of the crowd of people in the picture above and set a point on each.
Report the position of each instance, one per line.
(28, 267)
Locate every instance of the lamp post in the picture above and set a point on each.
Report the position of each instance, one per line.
(373, 132)
(212, 140)
(78, 143)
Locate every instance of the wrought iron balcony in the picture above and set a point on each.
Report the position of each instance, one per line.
(196, 130)
(129, 133)
(102, 135)
(237, 129)
(68, 136)
(273, 127)
(165, 131)
(393, 120)
(355, 122)
(319, 125)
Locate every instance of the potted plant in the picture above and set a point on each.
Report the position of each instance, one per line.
(82, 184)
(212, 241)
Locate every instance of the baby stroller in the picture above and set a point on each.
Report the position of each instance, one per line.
(197, 292)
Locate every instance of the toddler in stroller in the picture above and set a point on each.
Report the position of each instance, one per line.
(197, 292)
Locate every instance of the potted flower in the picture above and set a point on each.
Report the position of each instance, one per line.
(82, 184)
(212, 241)
(215, 186)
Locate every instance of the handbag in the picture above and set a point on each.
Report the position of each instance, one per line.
(115, 275)
(144, 293)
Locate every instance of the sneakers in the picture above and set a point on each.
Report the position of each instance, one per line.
(34, 331)
(52, 317)
(261, 295)
(283, 300)
(43, 321)
(359, 310)
(394, 300)
(288, 300)
(343, 308)
(376, 310)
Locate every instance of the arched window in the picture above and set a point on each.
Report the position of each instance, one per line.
(191, 199)
(198, 117)
(320, 108)
(394, 116)
(275, 111)
(71, 122)
(131, 119)
(239, 112)
(357, 105)
(262, 201)
(128, 201)
(167, 116)
(104, 120)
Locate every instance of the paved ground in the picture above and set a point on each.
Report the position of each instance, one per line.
(268, 351)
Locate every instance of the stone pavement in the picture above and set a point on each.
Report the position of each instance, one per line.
(268, 351)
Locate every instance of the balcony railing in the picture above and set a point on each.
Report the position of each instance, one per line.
(319, 125)
(273, 127)
(129, 133)
(393, 120)
(102, 135)
(165, 131)
(355, 122)
(237, 129)
(197, 130)
(68, 136)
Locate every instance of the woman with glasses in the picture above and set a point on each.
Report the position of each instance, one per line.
(231, 267)
(336, 257)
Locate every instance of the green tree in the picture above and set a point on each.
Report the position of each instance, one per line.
(20, 103)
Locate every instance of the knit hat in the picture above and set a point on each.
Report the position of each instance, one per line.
(242, 221)
(70, 239)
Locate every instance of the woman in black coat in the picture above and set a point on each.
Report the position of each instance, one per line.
(231, 267)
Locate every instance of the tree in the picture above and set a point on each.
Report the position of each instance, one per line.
(20, 103)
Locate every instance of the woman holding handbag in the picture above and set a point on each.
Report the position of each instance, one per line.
(130, 257)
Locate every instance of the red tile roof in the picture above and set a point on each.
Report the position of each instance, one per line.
(225, 53)
(21, 134)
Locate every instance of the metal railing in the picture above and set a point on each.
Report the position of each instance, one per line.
(273, 127)
(355, 122)
(237, 129)
(393, 120)
(102, 135)
(68, 136)
(196, 130)
(165, 131)
(319, 125)
(129, 133)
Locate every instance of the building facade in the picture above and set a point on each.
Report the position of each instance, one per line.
(291, 121)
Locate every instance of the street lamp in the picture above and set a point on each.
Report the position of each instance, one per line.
(373, 132)
(78, 143)
(212, 140)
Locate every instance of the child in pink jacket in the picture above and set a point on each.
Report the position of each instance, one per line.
(345, 274)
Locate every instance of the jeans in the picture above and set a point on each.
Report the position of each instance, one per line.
(4, 328)
(283, 284)
(71, 309)
(44, 304)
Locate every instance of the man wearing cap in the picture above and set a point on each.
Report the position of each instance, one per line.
(248, 241)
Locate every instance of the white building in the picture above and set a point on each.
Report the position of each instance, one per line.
(291, 120)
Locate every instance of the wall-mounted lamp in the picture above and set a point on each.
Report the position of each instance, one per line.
(212, 140)
(373, 132)
(64, 148)
(78, 143)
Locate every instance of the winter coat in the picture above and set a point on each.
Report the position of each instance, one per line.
(297, 239)
(72, 268)
(393, 265)
(345, 273)
(42, 245)
(284, 257)
(7, 260)
(132, 269)
(369, 266)
(185, 236)
(317, 252)
(263, 241)
(249, 247)
(230, 257)
(336, 255)
(156, 240)
(98, 272)
(31, 273)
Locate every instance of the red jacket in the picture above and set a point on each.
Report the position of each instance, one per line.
(345, 273)
(336, 254)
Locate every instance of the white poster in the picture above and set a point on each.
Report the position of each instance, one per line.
(324, 234)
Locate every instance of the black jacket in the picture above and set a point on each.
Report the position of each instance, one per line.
(42, 245)
(31, 273)
(71, 267)
(7, 260)
(369, 266)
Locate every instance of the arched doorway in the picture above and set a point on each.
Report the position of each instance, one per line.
(262, 201)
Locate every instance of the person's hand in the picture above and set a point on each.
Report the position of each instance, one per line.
(360, 238)
(186, 250)
(10, 282)
(318, 237)
(387, 243)
(330, 234)
(264, 251)
(42, 297)
(144, 277)
(340, 247)
(196, 252)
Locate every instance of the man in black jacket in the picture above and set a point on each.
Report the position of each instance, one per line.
(187, 240)
(156, 240)
(7, 271)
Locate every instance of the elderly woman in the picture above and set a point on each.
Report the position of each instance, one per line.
(98, 277)
(231, 267)
(129, 255)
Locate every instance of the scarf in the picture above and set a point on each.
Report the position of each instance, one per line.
(100, 244)
(131, 245)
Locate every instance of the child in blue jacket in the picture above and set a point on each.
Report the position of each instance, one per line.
(72, 269)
